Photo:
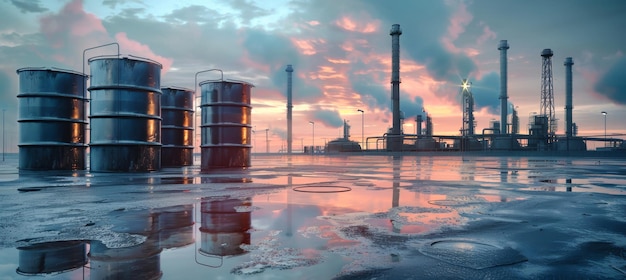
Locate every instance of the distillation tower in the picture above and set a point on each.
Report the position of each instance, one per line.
(503, 47)
(468, 109)
(289, 71)
(394, 142)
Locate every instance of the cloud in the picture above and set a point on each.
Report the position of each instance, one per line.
(195, 14)
(280, 132)
(372, 93)
(114, 3)
(411, 106)
(134, 47)
(329, 118)
(9, 90)
(72, 24)
(612, 84)
(247, 10)
(486, 92)
(29, 6)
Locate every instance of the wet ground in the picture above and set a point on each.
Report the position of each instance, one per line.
(321, 217)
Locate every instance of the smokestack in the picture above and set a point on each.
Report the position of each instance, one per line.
(395, 140)
(418, 123)
(568, 97)
(502, 47)
(289, 71)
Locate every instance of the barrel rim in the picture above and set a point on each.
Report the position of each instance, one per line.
(104, 143)
(124, 57)
(229, 81)
(51, 143)
(222, 145)
(172, 146)
(55, 69)
(52, 119)
(123, 87)
(176, 108)
(226, 104)
(52, 94)
(175, 127)
(178, 88)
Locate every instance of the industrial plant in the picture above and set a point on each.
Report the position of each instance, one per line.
(502, 135)
(134, 124)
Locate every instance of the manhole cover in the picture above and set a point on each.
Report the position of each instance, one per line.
(322, 189)
(472, 254)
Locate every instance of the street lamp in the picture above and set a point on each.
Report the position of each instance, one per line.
(604, 114)
(267, 142)
(313, 137)
(3, 134)
(362, 126)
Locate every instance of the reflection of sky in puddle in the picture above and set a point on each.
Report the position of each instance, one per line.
(252, 222)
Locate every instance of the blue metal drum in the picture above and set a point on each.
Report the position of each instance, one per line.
(125, 115)
(226, 124)
(51, 119)
(176, 126)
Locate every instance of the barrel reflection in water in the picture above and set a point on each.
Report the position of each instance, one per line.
(142, 261)
(52, 119)
(175, 226)
(177, 127)
(224, 227)
(125, 115)
(226, 124)
(50, 257)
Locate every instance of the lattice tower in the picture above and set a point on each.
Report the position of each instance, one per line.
(547, 93)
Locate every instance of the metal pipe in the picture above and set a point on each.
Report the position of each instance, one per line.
(289, 71)
(395, 33)
(503, 47)
(568, 97)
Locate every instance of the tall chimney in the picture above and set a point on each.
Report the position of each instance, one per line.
(289, 71)
(395, 141)
(502, 47)
(568, 97)
(418, 124)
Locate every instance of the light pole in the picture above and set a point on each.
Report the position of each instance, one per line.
(254, 139)
(3, 134)
(267, 142)
(313, 138)
(362, 127)
(604, 113)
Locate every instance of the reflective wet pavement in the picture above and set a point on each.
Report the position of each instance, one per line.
(321, 217)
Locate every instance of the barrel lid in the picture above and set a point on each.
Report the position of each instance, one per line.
(52, 69)
(124, 57)
(227, 81)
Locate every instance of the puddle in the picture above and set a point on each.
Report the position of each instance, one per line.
(313, 217)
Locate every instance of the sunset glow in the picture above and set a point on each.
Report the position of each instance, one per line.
(341, 56)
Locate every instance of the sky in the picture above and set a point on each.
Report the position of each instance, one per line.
(341, 55)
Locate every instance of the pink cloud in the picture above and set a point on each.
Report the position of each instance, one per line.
(72, 30)
(135, 48)
(306, 47)
(487, 34)
(366, 25)
(458, 21)
(73, 22)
